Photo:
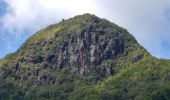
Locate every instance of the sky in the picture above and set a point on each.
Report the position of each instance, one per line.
(147, 20)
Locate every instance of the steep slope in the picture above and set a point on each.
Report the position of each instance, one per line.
(82, 45)
(75, 57)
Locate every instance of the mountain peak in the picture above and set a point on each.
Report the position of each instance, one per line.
(83, 48)
(86, 15)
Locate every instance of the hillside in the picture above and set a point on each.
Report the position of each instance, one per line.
(84, 57)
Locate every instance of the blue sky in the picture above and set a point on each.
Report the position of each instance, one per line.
(147, 20)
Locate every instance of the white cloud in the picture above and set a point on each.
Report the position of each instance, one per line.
(145, 19)
(31, 14)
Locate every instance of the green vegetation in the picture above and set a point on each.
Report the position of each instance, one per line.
(145, 80)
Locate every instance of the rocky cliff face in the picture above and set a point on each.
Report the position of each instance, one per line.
(84, 45)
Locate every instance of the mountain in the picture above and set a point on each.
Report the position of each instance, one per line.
(87, 58)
